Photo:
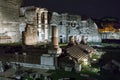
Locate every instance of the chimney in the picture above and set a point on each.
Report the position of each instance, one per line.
(71, 39)
(84, 40)
(55, 37)
(75, 40)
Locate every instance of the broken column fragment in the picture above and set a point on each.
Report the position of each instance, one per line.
(55, 45)
(55, 37)
(30, 35)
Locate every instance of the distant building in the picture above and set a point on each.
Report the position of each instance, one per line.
(109, 28)
(109, 31)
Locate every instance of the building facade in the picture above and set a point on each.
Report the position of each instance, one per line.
(37, 17)
(109, 31)
(74, 25)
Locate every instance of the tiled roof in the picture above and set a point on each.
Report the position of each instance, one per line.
(80, 51)
(77, 52)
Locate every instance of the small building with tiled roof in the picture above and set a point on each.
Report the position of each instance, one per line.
(76, 55)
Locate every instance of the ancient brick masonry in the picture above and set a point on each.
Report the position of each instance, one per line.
(12, 24)
(38, 17)
(30, 35)
(9, 20)
(55, 37)
(76, 26)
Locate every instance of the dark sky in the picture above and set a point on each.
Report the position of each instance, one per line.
(93, 8)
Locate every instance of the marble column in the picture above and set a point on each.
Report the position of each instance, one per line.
(39, 27)
(46, 24)
(55, 36)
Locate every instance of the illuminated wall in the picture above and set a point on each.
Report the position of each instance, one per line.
(38, 17)
(73, 25)
(9, 20)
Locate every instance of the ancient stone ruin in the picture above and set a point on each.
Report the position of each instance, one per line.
(30, 35)
(9, 21)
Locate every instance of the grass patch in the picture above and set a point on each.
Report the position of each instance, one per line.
(103, 44)
(91, 71)
(58, 74)
(63, 44)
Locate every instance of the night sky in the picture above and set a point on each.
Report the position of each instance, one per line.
(92, 8)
